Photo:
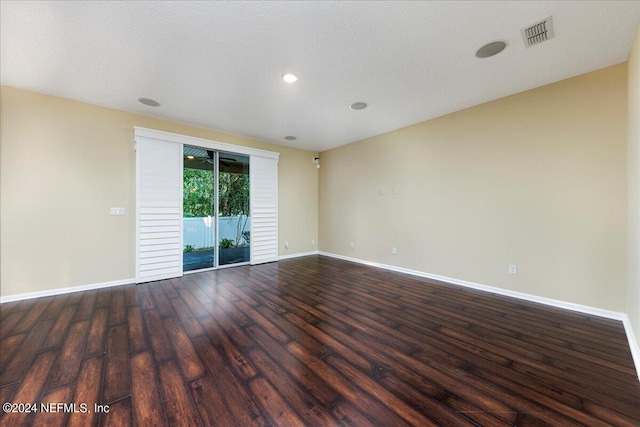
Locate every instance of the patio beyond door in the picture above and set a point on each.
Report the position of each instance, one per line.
(216, 211)
(234, 221)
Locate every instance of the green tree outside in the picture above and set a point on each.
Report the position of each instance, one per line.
(199, 196)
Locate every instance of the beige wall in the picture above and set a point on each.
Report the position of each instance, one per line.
(65, 163)
(537, 179)
(633, 159)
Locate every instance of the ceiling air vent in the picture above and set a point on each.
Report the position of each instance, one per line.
(538, 32)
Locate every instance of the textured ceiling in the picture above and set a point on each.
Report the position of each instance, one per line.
(219, 64)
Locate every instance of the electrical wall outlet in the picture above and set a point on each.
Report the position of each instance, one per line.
(286, 244)
(313, 242)
(394, 251)
(513, 269)
(351, 245)
(117, 211)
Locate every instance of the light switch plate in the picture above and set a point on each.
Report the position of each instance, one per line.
(117, 211)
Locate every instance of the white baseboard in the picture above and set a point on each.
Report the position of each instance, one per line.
(60, 291)
(633, 343)
(281, 257)
(595, 311)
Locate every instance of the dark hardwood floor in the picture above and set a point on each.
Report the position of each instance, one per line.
(312, 341)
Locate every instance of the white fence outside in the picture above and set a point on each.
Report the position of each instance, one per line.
(200, 232)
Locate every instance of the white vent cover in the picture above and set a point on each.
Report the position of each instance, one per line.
(538, 32)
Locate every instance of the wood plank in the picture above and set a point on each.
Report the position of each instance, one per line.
(161, 300)
(233, 331)
(8, 346)
(404, 410)
(234, 357)
(273, 405)
(6, 393)
(551, 377)
(169, 290)
(30, 388)
(311, 382)
(32, 316)
(177, 401)
(131, 295)
(160, 344)
(119, 414)
(8, 308)
(210, 403)
(60, 327)
(293, 394)
(86, 305)
(117, 370)
(237, 317)
(472, 413)
(74, 298)
(340, 347)
(103, 299)
(235, 395)
(9, 322)
(262, 321)
(316, 346)
(145, 397)
(17, 366)
(65, 369)
(58, 415)
(135, 327)
(186, 354)
(97, 332)
(187, 318)
(56, 306)
(241, 294)
(192, 302)
(87, 391)
(605, 413)
(117, 310)
(348, 415)
(146, 300)
(351, 392)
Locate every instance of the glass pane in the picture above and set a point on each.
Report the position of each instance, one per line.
(234, 223)
(199, 209)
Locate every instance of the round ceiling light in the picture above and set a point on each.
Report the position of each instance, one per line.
(358, 106)
(491, 49)
(290, 138)
(149, 102)
(289, 77)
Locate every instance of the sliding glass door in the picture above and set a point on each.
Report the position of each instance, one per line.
(198, 208)
(234, 222)
(202, 204)
(216, 218)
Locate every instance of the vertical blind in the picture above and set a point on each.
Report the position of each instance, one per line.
(159, 202)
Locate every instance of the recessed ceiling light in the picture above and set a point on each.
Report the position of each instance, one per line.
(290, 138)
(149, 102)
(190, 157)
(289, 77)
(491, 49)
(358, 106)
